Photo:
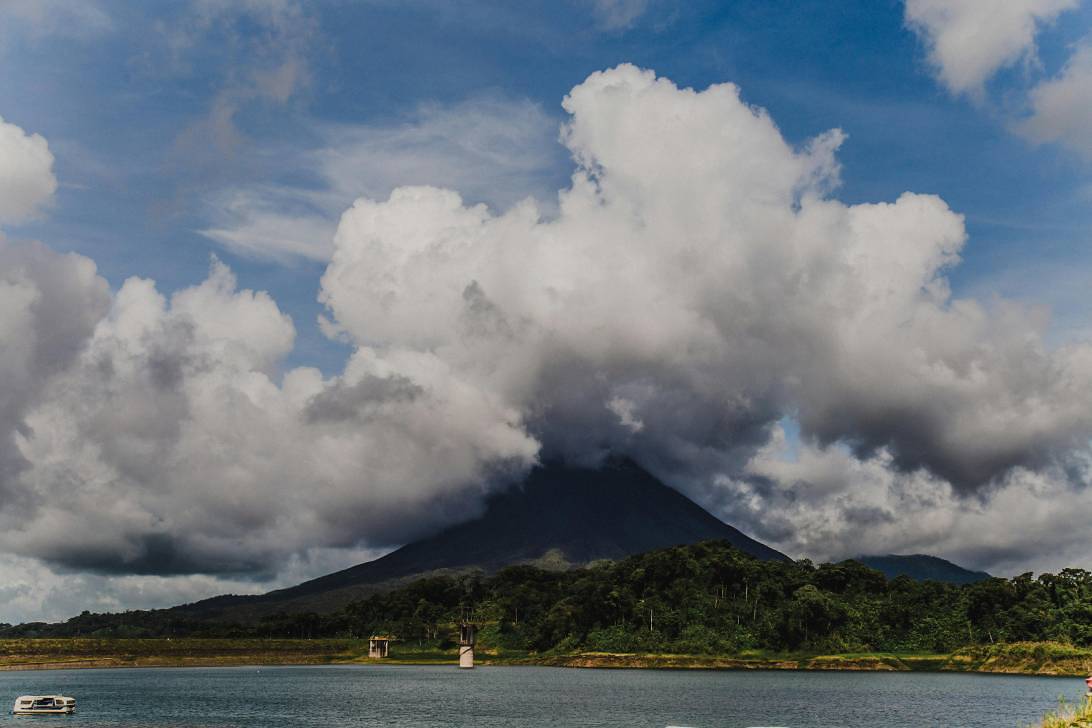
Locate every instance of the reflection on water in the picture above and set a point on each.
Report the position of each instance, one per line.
(400, 696)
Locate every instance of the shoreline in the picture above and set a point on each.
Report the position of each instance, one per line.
(1036, 659)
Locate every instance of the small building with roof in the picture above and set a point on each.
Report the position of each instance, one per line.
(379, 646)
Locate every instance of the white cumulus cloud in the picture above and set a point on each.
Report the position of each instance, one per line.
(824, 503)
(1061, 107)
(26, 173)
(699, 270)
(970, 40)
(168, 446)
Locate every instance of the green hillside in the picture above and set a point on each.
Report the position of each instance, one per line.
(703, 599)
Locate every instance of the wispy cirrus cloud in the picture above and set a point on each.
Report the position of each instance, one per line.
(494, 150)
(267, 44)
(615, 15)
(40, 18)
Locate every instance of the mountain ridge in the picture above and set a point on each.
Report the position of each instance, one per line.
(563, 515)
(922, 567)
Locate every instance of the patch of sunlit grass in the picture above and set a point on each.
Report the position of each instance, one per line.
(1069, 716)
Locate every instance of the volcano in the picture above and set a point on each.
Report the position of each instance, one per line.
(558, 517)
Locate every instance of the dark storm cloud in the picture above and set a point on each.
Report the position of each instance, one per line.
(159, 554)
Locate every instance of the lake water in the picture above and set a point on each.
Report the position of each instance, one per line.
(513, 697)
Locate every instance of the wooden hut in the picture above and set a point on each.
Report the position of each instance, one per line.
(379, 646)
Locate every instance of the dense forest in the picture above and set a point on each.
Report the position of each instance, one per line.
(705, 598)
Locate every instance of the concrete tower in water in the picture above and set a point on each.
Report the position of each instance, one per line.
(467, 636)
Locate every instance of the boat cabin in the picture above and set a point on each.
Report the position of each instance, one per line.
(44, 704)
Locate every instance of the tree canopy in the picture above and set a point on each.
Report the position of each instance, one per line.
(704, 598)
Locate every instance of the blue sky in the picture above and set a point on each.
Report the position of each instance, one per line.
(122, 101)
(792, 398)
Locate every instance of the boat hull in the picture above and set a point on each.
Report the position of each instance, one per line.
(50, 711)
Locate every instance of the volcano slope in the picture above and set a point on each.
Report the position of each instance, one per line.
(558, 517)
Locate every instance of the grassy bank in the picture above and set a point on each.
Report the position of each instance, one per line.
(31, 654)
(1027, 658)
(1018, 659)
(1070, 716)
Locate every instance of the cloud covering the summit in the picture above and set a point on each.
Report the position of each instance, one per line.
(698, 282)
(701, 272)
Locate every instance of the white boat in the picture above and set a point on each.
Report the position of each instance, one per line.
(44, 705)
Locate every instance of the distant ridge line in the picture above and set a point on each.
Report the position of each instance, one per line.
(922, 567)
